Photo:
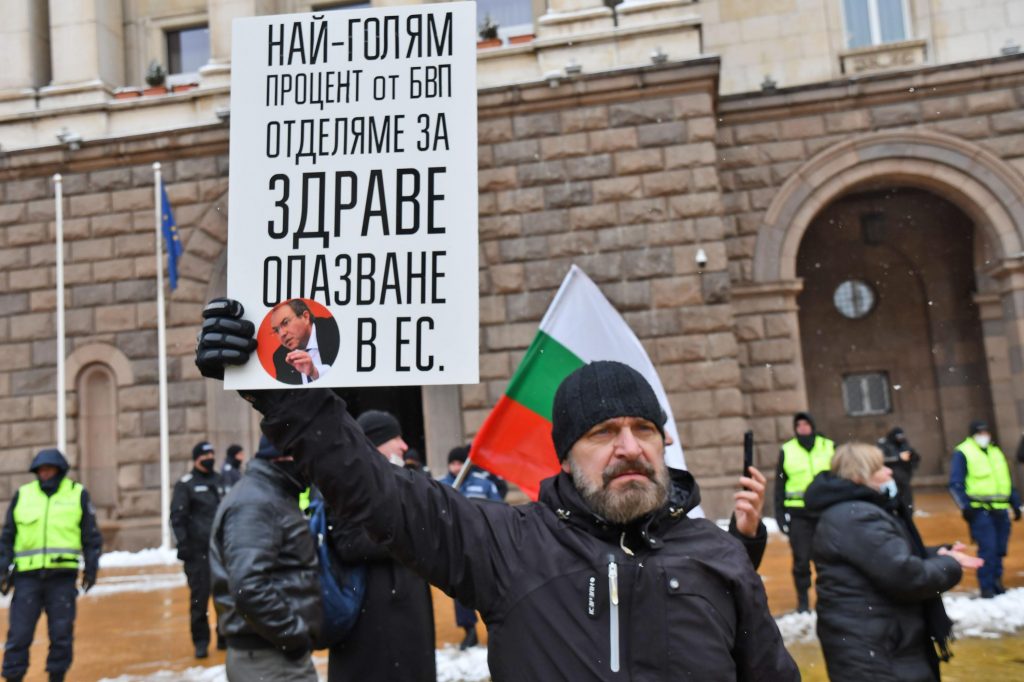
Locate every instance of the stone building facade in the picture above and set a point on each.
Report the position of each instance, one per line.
(909, 179)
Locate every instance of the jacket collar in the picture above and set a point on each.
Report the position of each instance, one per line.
(275, 475)
(560, 494)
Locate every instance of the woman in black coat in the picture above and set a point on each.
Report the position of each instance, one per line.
(880, 617)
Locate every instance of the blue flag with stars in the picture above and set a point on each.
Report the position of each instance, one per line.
(173, 242)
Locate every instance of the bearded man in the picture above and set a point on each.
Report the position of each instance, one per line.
(604, 578)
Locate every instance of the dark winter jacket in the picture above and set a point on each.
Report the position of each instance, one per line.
(263, 564)
(230, 473)
(193, 506)
(876, 593)
(895, 443)
(689, 603)
(393, 640)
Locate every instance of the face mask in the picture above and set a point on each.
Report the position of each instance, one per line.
(396, 460)
(982, 440)
(205, 463)
(888, 488)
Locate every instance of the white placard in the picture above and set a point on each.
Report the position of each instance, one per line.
(353, 188)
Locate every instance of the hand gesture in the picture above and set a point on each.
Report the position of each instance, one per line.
(965, 560)
(303, 363)
(749, 502)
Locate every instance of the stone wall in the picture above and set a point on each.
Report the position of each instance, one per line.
(110, 305)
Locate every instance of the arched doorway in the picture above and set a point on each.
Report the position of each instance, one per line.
(889, 330)
(97, 436)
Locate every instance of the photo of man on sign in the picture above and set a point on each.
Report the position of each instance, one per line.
(298, 341)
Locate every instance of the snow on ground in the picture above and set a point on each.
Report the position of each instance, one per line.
(197, 674)
(154, 556)
(462, 666)
(971, 616)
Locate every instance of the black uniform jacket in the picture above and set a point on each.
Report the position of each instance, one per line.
(266, 585)
(193, 506)
(550, 578)
(872, 587)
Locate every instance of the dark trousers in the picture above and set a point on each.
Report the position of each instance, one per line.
(991, 530)
(465, 617)
(197, 571)
(801, 535)
(35, 591)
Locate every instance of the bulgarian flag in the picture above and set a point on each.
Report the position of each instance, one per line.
(580, 326)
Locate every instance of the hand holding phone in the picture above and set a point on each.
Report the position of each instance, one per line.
(748, 452)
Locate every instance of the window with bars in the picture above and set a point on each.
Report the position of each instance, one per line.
(875, 22)
(866, 394)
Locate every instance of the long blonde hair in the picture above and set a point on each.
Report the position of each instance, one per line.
(857, 462)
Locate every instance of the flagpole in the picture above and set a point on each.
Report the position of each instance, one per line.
(161, 340)
(463, 471)
(62, 437)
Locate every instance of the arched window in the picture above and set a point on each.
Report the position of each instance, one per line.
(97, 435)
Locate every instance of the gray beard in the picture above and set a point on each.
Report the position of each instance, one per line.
(630, 502)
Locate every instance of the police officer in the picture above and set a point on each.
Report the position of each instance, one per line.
(50, 525)
(193, 507)
(979, 480)
(801, 458)
(231, 471)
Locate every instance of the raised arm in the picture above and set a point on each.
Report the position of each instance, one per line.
(463, 548)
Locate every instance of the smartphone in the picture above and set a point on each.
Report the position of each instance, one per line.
(748, 452)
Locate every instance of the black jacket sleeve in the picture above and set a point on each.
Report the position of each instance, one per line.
(884, 555)
(780, 489)
(7, 537)
(463, 548)
(353, 545)
(179, 513)
(252, 539)
(755, 546)
(92, 540)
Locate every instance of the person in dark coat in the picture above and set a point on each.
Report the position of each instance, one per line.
(604, 578)
(231, 470)
(393, 638)
(475, 485)
(309, 345)
(266, 585)
(801, 458)
(903, 460)
(193, 506)
(880, 616)
(50, 525)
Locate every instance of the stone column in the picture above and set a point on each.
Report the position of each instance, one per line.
(221, 13)
(25, 35)
(87, 51)
(442, 422)
(1009, 404)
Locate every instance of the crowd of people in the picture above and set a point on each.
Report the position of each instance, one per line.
(605, 573)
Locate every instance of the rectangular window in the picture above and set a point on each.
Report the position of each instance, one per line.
(866, 394)
(187, 49)
(874, 22)
(513, 17)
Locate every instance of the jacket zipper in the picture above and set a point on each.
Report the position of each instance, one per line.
(46, 523)
(613, 594)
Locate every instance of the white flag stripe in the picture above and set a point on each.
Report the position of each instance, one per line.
(581, 319)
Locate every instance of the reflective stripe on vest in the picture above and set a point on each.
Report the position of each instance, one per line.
(801, 466)
(988, 482)
(48, 527)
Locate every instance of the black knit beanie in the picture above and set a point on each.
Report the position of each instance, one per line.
(233, 450)
(977, 426)
(379, 427)
(458, 454)
(596, 392)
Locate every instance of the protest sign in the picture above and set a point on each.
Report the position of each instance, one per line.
(352, 224)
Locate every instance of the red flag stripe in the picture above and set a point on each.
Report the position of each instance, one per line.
(515, 442)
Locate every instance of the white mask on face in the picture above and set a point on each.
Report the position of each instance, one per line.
(396, 460)
(983, 440)
(889, 488)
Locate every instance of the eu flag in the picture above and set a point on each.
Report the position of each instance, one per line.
(173, 242)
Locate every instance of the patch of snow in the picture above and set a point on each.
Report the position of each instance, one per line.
(154, 556)
(462, 666)
(798, 627)
(197, 674)
(136, 583)
(986, 618)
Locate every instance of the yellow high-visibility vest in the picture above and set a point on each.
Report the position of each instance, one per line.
(801, 466)
(988, 483)
(48, 527)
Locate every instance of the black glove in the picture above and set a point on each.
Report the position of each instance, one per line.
(968, 513)
(88, 581)
(225, 339)
(184, 554)
(7, 580)
(1016, 513)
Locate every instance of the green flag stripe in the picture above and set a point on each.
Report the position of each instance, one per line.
(546, 363)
